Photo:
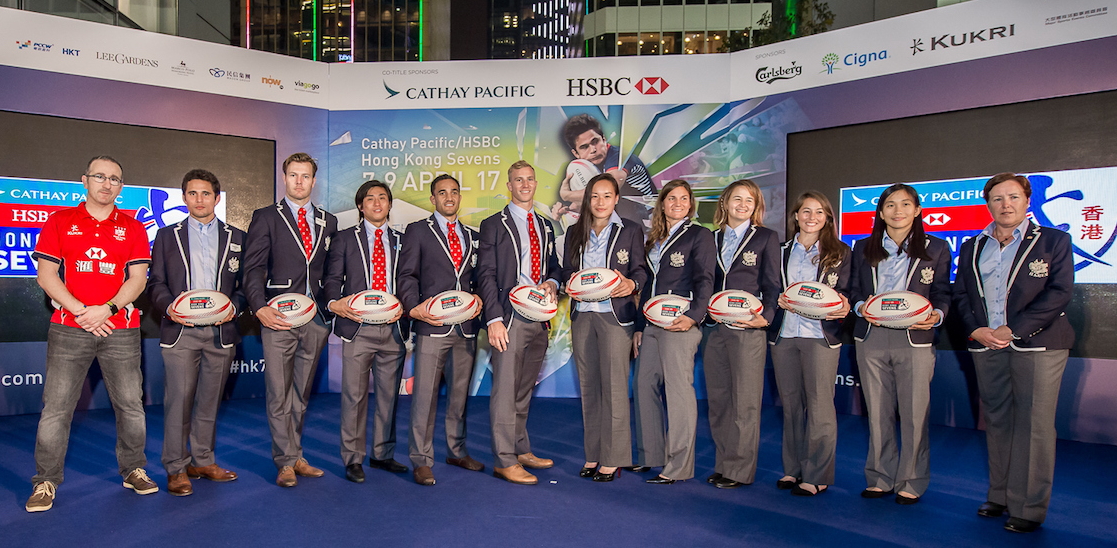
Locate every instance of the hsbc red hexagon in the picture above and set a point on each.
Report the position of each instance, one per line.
(651, 85)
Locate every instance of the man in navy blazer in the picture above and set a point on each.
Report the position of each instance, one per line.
(439, 254)
(286, 253)
(361, 258)
(517, 248)
(199, 252)
(1011, 292)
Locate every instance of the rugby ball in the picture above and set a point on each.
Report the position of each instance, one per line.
(201, 306)
(580, 172)
(897, 309)
(453, 307)
(662, 310)
(375, 307)
(297, 309)
(592, 284)
(533, 303)
(733, 305)
(812, 300)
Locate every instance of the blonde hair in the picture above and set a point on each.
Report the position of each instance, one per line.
(721, 217)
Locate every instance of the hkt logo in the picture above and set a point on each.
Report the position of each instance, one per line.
(595, 87)
(269, 81)
(71, 51)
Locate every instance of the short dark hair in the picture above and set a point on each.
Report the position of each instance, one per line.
(105, 158)
(366, 187)
(1007, 176)
(578, 125)
(201, 175)
(302, 158)
(443, 177)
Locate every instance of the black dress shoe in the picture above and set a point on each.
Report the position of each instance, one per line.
(1021, 525)
(991, 510)
(637, 469)
(603, 477)
(587, 472)
(660, 480)
(355, 473)
(714, 478)
(388, 464)
(871, 494)
(726, 483)
(787, 484)
(900, 499)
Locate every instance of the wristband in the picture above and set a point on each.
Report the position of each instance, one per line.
(113, 309)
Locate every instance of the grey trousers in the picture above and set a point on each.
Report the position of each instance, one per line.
(805, 372)
(734, 365)
(602, 355)
(70, 352)
(431, 364)
(515, 372)
(1019, 393)
(195, 371)
(665, 374)
(290, 359)
(896, 381)
(376, 349)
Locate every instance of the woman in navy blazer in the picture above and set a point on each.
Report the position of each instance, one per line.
(896, 365)
(680, 262)
(748, 259)
(805, 352)
(601, 332)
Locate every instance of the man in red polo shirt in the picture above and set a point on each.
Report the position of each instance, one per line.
(92, 262)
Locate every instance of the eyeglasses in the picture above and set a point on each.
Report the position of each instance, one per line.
(100, 178)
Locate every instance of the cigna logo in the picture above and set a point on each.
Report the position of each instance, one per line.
(599, 87)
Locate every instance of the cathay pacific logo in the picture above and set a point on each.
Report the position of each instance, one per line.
(391, 92)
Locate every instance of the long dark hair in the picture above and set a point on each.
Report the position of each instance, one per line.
(580, 233)
(660, 230)
(915, 245)
(831, 249)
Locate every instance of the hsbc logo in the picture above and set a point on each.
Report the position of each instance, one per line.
(95, 253)
(600, 87)
(936, 219)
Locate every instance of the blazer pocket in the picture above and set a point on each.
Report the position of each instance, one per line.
(273, 285)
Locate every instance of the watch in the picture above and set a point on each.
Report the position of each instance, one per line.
(113, 309)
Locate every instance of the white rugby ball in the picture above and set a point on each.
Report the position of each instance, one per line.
(533, 303)
(297, 309)
(897, 309)
(662, 310)
(813, 300)
(201, 306)
(592, 284)
(453, 307)
(580, 172)
(733, 305)
(375, 307)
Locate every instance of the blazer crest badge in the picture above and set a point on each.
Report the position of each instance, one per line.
(832, 279)
(926, 276)
(677, 259)
(234, 265)
(748, 258)
(1038, 268)
(622, 256)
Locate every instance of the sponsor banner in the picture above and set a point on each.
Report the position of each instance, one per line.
(1079, 201)
(951, 34)
(25, 204)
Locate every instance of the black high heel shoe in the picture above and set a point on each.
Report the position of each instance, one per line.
(587, 472)
(602, 477)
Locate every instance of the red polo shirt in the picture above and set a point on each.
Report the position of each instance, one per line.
(93, 257)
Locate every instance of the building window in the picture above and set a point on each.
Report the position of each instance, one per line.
(649, 43)
(606, 45)
(627, 43)
(672, 43)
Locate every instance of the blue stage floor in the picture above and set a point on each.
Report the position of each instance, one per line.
(475, 509)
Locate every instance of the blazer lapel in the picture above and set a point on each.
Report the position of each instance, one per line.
(510, 226)
(224, 236)
(362, 248)
(288, 217)
(182, 238)
(1031, 236)
(785, 251)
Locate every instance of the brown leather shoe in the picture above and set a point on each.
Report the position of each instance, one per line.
(532, 461)
(212, 472)
(179, 485)
(305, 470)
(286, 477)
(423, 475)
(515, 474)
(466, 462)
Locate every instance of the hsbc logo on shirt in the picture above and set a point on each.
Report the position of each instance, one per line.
(95, 253)
(601, 87)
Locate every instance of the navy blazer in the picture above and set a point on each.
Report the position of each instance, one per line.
(426, 269)
(837, 278)
(349, 271)
(274, 260)
(932, 281)
(755, 267)
(625, 254)
(498, 261)
(1040, 287)
(686, 268)
(170, 276)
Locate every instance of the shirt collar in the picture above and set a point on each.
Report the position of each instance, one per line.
(194, 223)
(675, 228)
(295, 209)
(1016, 232)
(740, 230)
(891, 247)
(795, 243)
(371, 228)
(518, 212)
(442, 221)
(85, 212)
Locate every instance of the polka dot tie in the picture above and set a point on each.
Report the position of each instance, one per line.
(304, 231)
(455, 244)
(379, 276)
(533, 238)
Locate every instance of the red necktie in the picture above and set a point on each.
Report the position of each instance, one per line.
(455, 245)
(534, 239)
(304, 231)
(379, 277)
